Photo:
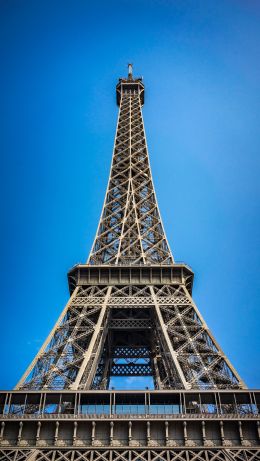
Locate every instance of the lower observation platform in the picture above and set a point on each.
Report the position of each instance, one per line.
(130, 419)
(84, 274)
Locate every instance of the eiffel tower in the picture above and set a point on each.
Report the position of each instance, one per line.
(130, 314)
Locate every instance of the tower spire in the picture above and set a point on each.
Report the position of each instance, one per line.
(130, 230)
(130, 71)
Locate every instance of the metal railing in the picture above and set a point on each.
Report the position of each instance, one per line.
(55, 416)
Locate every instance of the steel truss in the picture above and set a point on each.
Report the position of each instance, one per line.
(131, 313)
(130, 229)
(158, 331)
(130, 455)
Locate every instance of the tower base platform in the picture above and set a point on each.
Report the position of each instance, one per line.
(205, 425)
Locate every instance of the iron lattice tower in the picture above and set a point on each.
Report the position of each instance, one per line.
(130, 313)
(131, 329)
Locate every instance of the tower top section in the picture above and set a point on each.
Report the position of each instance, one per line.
(130, 85)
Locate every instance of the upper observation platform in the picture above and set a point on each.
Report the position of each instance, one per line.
(130, 85)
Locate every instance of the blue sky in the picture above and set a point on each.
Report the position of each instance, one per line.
(200, 63)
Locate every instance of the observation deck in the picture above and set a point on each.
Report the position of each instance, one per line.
(87, 274)
(130, 85)
(220, 418)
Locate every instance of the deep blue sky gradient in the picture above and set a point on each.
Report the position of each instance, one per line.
(201, 67)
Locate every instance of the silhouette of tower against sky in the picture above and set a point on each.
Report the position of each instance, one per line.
(130, 315)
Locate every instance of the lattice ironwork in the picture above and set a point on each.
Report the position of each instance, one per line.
(130, 229)
(101, 319)
(131, 314)
(134, 454)
(171, 318)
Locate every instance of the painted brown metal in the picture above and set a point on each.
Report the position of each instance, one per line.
(131, 313)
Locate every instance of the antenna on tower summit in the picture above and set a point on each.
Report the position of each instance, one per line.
(130, 71)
